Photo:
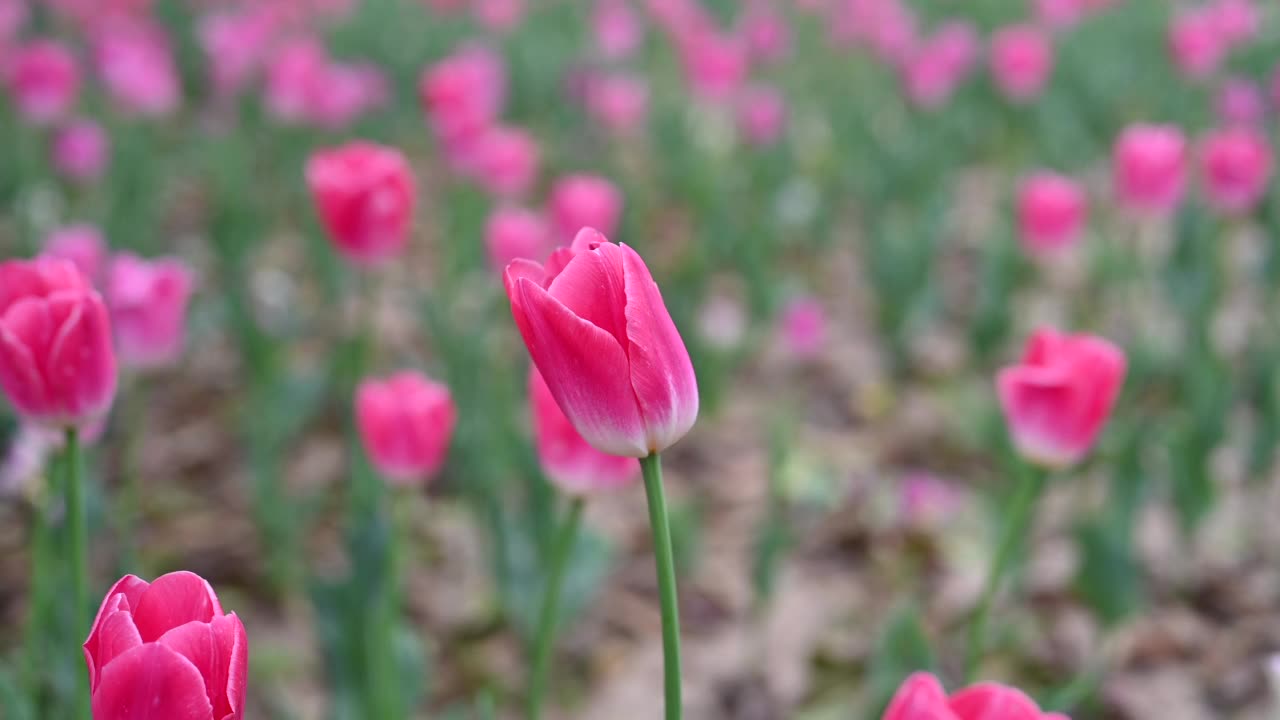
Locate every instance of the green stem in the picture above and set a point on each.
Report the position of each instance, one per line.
(550, 613)
(77, 532)
(1012, 536)
(651, 467)
(384, 669)
(43, 580)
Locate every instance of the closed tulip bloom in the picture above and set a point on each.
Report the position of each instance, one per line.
(1052, 210)
(506, 161)
(148, 301)
(1196, 42)
(1237, 20)
(766, 32)
(293, 73)
(1240, 102)
(513, 232)
(82, 245)
(406, 422)
(617, 28)
(1235, 167)
(1149, 168)
(599, 333)
(1021, 61)
(137, 68)
(80, 150)
(1059, 396)
(165, 650)
(569, 461)
(579, 201)
(619, 102)
(762, 115)
(716, 64)
(936, 68)
(43, 80)
(464, 92)
(236, 45)
(57, 366)
(365, 193)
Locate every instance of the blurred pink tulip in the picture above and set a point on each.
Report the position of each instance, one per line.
(464, 92)
(499, 16)
(166, 649)
(148, 302)
(293, 72)
(344, 92)
(1196, 42)
(1058, 397)
(803, 328)
(236, 45)
(762, 115)
(1238, 21)
(888, 27)
(921, 697)
(1149, 168)
(715, 64)
(579, 201)
(13, 18)
(83, 246)
(940, 64)
(766, 32)
(57, 366)
(617, 27)
(365, 193)
(137, 68)
(1240, 102)
(1052, 211)
(1021, 61)
(406, 422)
(618, 102)
(80, 150)
(600, 335)
(570, 462)
(1235, 168)
(512, 233)
(1060, 13)
(506, 161)
(43, 80)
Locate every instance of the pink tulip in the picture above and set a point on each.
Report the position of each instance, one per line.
(1196, 43)
(343, 92)
(406, 422)
(1149, 168)
(803, 326)
(43, 80)
(598, 331)
(766, 32)
(148, 301)
(619, 102)
(1235, 167)
(1021, 61)
(1059, 396)
(921, 697)
(617, 28)
(236, 45)
(569, 461)
(1237, 20)
(166, 650)
(1240, 102)
(514, 233)
(138, 69)
(937, 67)
(80, 150)
(56, 362)
(715, 64)
(762, 115)
(293, 74)
(365, 193)
(579, 201)
(499, 16)
(13, 18)
(926, 500)
(888, 27)
(1060, 13)
(1052, 210)
(464, 92)
(82, 245)
(506, 161)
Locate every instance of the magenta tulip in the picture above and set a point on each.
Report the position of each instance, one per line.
(1196, 42)
(166, 651)
(82, 245)
(762, 115)
(1052, 210)
(406, 422)
(1235, 168)
(570, 462)
(506, 161)
(514, 233)
(43, 80)
(1149, 168)
(599, 333)
(80, 150)
(803, 327)
(293, 74)
(1238, 21)
(618, 102)
(148, 301)
(1021, 61)
(464, 92)
(616, 27)
(579, 201)
(1057, 399)
(921, 697)
(365, 193)
(766, 32)
(138, 69)
(715, 64)
(56, 361)
(1240, 102)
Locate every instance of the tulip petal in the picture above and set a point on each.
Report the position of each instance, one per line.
(81, 359)
(920, 697)
(115, 636)
(151, 682)
(989, 701)
(661, 372)
(586, 370)
(238, 668)
(25, 333)
(172, 600)
(592, 287)
(210, 647)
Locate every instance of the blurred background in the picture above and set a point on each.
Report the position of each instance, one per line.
(833, 196)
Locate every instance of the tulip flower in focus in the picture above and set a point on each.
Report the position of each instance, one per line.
(365, 193)
(82, 245)
(921, 697)
(803, 327)
(762, 115)
(570, 462)
(80, 150)
(1021, 61)
(166, 649)
(1149, 168)
(579, 201)
(406, 422)
(1052, 210)
(43, 80)
(57, 366)
(1058, 397)
(148, 301)
(600, 335)
(1235, 166)
(1196, 42)
(512, 233)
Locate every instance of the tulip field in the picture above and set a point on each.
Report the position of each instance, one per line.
(631, 359)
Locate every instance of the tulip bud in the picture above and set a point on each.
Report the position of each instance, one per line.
(80, 150)
(365, 193)
(148, 301)
(579, 201)
(1196, 43)
(43, 79)
(1051, 212)
(1149, 168)
(406, 422)
(506, 161)
(762, 115)
(514, 233)
(1235, 168)
(1021, 61)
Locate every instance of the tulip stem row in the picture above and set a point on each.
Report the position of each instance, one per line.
(1017, 518)
(651, 468)
(77, 534)
(566, 538)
